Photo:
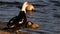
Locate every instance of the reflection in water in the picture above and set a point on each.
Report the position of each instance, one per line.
(30, 31)
(30, 13)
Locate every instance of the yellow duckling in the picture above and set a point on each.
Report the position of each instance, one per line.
(30, 7)
(32, 25)
(35, 26)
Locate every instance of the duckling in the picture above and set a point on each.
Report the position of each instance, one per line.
(35, 26)
(30, 7)
(32, 25)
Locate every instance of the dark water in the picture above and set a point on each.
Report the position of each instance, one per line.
(46, 14)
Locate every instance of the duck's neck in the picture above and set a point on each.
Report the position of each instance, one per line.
(24, 7)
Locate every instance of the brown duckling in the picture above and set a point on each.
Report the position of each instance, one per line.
(32, 25)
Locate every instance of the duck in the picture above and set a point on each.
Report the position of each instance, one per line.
(22, 14)
(20, 19)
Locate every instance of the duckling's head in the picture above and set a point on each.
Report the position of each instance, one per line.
(30, 7)
(29, 23)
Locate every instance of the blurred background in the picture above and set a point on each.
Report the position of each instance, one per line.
(46, 14)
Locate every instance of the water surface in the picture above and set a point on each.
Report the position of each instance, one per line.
(46, 14)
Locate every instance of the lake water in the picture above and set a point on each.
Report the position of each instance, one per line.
(46, 14)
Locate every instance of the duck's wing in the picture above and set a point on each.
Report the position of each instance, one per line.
(10, 23)
(12, 19)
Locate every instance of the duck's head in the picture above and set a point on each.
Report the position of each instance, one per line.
(27, 6)
(32, 25)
